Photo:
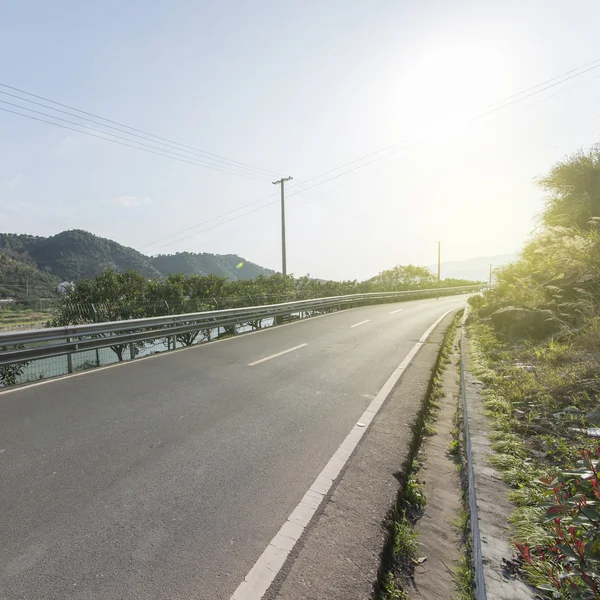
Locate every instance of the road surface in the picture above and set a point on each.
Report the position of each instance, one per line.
(166, 478)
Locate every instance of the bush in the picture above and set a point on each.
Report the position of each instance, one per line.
(570, 563)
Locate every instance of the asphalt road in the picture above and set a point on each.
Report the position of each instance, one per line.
(166, 478)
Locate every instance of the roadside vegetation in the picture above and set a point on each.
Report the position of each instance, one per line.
(402, 553)
(535, 343)
(113, 296)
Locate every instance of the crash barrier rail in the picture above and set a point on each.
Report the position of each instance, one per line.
(22, 346)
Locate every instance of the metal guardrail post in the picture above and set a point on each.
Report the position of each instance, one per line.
(97, 349)
(69, 359)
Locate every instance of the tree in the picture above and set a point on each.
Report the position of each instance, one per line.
(107, 297)
(573, 187)
(9, 374)
(403, 278)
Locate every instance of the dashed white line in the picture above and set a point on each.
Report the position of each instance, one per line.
(396, 311)
(361, 323)
(257, 362)
(265, 569)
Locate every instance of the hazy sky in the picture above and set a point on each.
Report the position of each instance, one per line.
(298, 88)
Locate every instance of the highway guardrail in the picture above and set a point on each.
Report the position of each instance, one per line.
(23, 346)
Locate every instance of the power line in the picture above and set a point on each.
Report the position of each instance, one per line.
(218, 224)
(209, 220)
(176, 146)
(497, 108)
(508, 101)
(225, 214)
(198, 151)
(593, 62)
(135, 145)
(572, 87)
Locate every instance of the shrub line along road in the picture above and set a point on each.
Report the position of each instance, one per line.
(167, 477)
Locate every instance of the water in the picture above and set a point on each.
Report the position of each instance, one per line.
(46, 368)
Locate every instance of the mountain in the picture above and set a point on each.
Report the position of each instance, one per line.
(474, 269)
(78, 254)
(22, 280)
(227, 265)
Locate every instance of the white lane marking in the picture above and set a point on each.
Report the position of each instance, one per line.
(426, 304)
(257, 362)
(265, 569)
(396, 311)
(361, 323)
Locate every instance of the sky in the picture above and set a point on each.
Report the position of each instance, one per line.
(398, 89)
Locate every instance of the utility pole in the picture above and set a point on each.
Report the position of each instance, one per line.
(490, 274)
(439, 263)
(283, 259)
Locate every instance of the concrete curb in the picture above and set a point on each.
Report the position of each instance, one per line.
(489, 517)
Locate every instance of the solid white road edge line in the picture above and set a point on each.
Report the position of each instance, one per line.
(257, 362)
(266, 568)
(396, 311)
(361, 323)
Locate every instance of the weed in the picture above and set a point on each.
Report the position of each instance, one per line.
(508, 446)
(454, 447)
(429, 429)
(464, 579)
(414, 494)
(526, 524)
(554, 352)
(461, 522)
(391, 589)
(403, 535)
(405, 538)
(534, 436)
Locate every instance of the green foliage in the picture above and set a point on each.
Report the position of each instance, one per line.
(454, 448)
(414, 494)
(402, 278)
(410, 277)
(21, 280)
(540, 424)
(559, 269)
(464, 580)
(77, 254)
(570, 562)
(9, 374)
(573, 187)
(405, 538)
(391, 589)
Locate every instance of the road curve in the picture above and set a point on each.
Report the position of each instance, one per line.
(166, 478)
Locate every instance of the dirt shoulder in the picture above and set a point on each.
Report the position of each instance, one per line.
(440, 537)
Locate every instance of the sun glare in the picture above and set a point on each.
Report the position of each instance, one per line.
(450, 82)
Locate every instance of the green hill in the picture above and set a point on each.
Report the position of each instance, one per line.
(33, 266)
(77, 254)
(227, 265)
(22, 280)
